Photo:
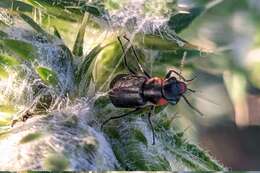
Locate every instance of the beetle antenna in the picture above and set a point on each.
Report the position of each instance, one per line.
(191, 106)
(124, 56)
(137, 58)
(191, 90)
(182, 62)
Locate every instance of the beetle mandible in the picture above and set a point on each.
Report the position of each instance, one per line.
(138, 91)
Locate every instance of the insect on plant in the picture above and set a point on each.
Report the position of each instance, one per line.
(138, 91)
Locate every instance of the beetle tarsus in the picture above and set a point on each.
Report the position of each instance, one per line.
(120, 116)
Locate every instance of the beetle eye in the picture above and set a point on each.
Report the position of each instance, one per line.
(171, 80)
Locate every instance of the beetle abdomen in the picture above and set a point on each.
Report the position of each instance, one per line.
(126, 91)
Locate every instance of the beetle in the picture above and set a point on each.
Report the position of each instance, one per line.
(137, 91)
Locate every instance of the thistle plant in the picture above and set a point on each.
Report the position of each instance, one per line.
(57, 59)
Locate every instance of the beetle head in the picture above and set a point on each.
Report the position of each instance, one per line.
(173, 89)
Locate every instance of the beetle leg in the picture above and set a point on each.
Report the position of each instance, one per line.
(137, 59)
(173, 71)
(120, 116)
(150, 122)
(124, 55)
(191, 106)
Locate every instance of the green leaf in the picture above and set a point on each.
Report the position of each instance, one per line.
(30, 137)
(181, 21)
(47, 75)
(189, 154)
(156, 42)
(16, 5)
(78, 45)
(54, 10)
(8, 60)
(22, 49)
(140, 136)
(32, 23)
(107, 64)
(131, 150)
(83, 74)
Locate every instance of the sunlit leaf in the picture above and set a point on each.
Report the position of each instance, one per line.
(78, 45)
(22, 49)
(8, 60)
(47, 75)
(107, 64)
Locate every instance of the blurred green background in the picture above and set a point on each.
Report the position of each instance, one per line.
(229, 83)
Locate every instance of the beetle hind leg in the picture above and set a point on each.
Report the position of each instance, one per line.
(150, 123)
(117, 117)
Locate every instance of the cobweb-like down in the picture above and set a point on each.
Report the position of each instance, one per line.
(67, 130)
(141, 15)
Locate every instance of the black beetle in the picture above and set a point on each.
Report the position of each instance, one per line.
(139, 91)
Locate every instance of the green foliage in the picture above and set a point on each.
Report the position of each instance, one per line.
(92, 9)
(158, 43)
(181, 21)
(16, 5)
(107, 64)
(22, 49)
(32, 23)
(47, 75)
(84, 73)
(8, 60)
(57, 11)
(78, 45)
